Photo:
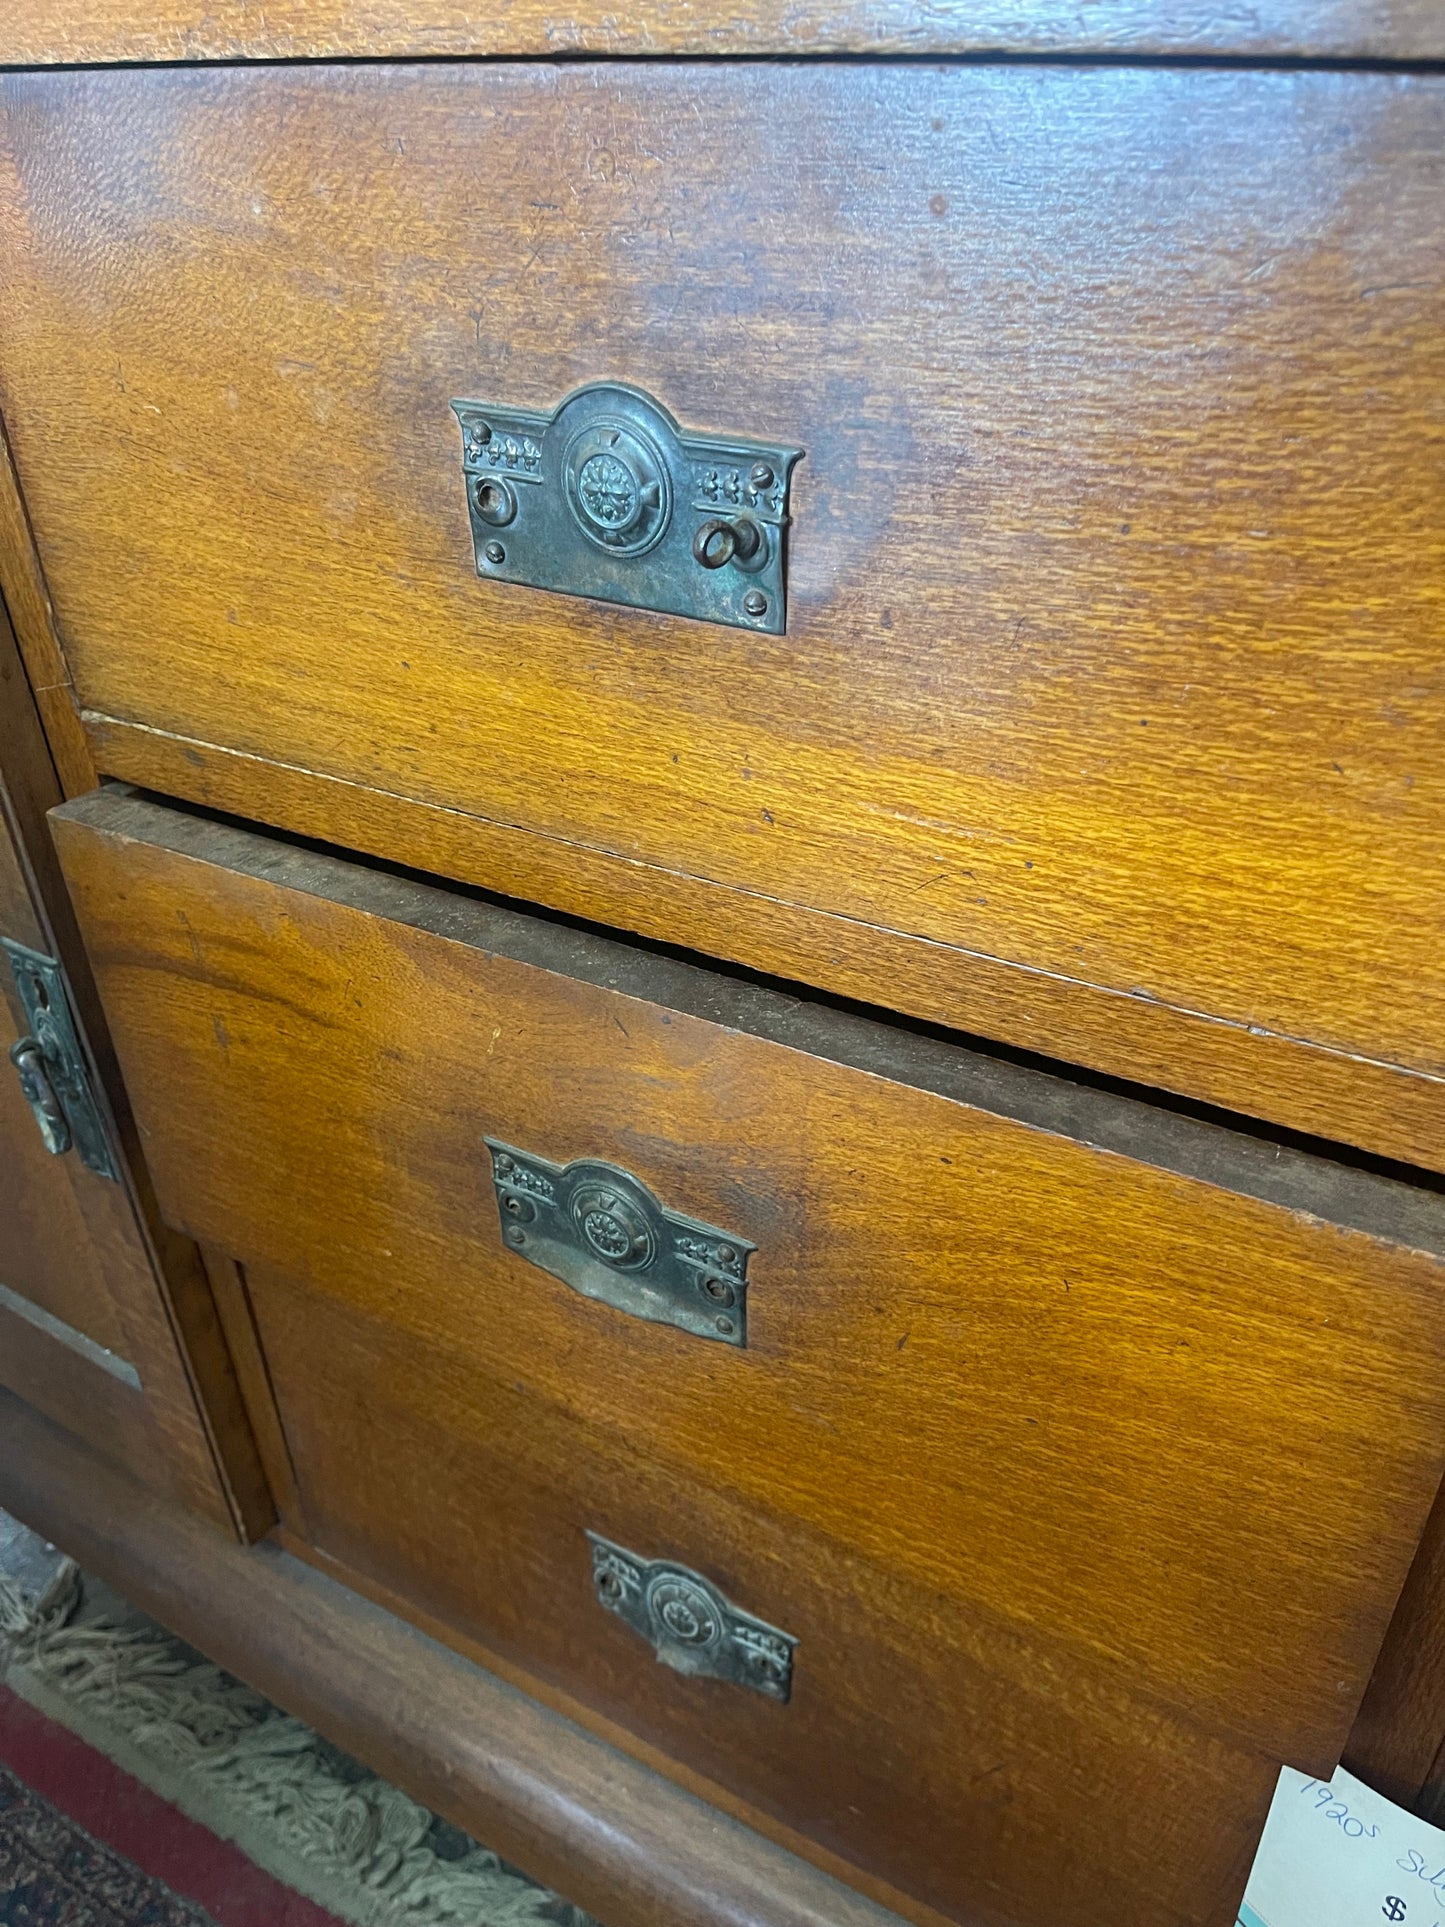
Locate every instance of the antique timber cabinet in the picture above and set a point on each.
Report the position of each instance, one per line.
(106, 1317)
(751, 710)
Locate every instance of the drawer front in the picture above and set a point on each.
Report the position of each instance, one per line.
(1080, 1450)
(1109, 668)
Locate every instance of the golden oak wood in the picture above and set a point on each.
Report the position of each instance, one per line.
(37, 32)
(621, 1841)
(93, 1403)
(18, 918)
(1038, 1442)
(1397, 1743)
(1111, 649)
(27, 602)
(547, 1693)
(1391, 1111)
(71, 1250)
(237, 1320)
(82, 1249)
(47, 1252)
(920, 1743)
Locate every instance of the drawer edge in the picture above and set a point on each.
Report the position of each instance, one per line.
(1219, 1155)
(1388, 1110)
(59, 33)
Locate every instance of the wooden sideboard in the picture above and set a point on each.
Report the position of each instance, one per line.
(744, 788)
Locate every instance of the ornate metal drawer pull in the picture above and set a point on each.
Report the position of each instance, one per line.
(51, 1065)
(608, 497)
(39, 1093)
(689, 1624)
(602, 1232)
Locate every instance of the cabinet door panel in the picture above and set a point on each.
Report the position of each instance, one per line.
(47, 1251)
(93, 1296)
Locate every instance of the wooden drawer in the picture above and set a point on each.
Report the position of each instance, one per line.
(1083, 1448)
(1106, 717)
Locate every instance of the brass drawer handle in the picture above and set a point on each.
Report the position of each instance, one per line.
(601, 1231)
(608, 497)
(689, 1624)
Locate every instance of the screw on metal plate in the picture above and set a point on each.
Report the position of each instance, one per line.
(601, 1231)
(609, 497)
(51, 1065)
(689, 1624)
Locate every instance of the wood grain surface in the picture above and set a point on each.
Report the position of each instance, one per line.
(1397, 1743)
(26, 604)
(1388, 1110)
(1112, 647)
(18, 917)
(618, 1839)
(47, 1252)
(92, 1403)
(70, 1245)
(88, 1251)
(42, 32)
(1051, 1456)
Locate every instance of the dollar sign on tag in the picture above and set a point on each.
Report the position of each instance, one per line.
(1394, 1908)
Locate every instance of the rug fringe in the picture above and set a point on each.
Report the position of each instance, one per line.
(252, 1774)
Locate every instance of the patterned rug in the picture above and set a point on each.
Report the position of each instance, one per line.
(134, 1824)
(255, 1783)
(53, 1874)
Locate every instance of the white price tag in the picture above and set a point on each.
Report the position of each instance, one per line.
(1334, 1854)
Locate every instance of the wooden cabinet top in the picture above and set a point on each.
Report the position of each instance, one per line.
(65, 32)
